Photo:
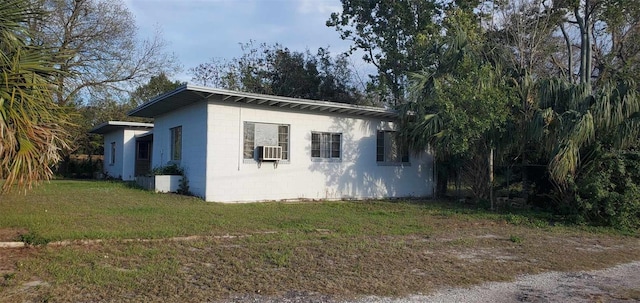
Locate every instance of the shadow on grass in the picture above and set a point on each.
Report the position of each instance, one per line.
(131, 185)
(517, 216)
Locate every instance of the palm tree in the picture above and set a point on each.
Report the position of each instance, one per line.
(31, 124)
(573, 119)
(458, 109)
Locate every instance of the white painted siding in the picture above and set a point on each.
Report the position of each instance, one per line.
(129, 156)
(113, 170)
(193, 120)
(124, 166)
(357, 175)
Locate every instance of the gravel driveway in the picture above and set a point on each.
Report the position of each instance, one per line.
(616, 284)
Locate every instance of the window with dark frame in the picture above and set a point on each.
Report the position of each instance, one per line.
(143, 150)
(326, 145)
(176, 143)
(389, 149)
(264, 134)
(112, 159)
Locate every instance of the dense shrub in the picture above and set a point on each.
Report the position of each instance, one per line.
(79, 166)
(608, 192)
(169, 169)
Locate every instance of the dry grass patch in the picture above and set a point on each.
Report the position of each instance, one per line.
(627, 294)
(339, 267)
(323, 250)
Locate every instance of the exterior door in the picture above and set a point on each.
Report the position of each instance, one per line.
(143, 157)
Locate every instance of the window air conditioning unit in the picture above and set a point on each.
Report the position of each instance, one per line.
(269, 153)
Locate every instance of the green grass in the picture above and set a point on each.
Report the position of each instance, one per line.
(71, 209)
(68, 210)
(341, 249)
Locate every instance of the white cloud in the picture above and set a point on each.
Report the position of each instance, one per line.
(319, 7)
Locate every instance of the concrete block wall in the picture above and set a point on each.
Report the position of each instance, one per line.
(124, 166)
(193, 120)
(357, 175)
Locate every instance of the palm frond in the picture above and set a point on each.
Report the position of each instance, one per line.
(31, 124)
(628, 132)
(572, 117)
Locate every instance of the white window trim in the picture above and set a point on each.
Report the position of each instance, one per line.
(390, 163)
(330, 158)
(254, 160)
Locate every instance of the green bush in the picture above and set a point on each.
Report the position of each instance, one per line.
(608, 193)
(183, 188)
(174, 169)
(79, 167)
(515, 239)
(170, 169)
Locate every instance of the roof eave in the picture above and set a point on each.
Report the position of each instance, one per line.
(154, 107)
(109, 126)
(136, 112)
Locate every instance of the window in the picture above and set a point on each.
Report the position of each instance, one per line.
(249, 140)
(326, 145)
(283, 140)
(265, 134)
(143, 150)
(176, 143)
(112, 159)
(389, 149)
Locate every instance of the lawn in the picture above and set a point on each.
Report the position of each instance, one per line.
(160, 247)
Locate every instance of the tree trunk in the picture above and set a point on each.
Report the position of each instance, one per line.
(583, 39)
(588, 50)
(491, 177)
(458, 183)
(525, 177)
(442, 180)
(584, 24)
(567, 42)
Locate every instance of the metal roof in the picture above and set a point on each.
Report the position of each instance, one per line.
(189, 94)
(110, 126)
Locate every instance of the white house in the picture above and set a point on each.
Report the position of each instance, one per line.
(236, 146)
(126, 151)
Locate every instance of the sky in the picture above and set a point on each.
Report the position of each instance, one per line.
(198, 30)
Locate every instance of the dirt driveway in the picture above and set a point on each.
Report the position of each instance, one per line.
(620, 283)
(616, 284)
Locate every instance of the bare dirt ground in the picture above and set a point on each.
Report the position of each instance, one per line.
(490, 251)
(11, 234)
(620, 283)
(616, 284)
